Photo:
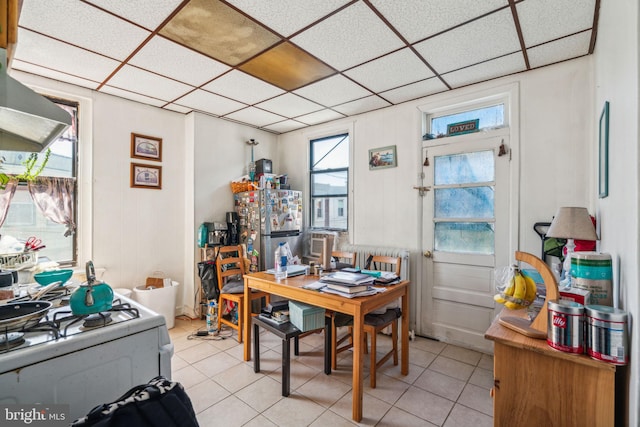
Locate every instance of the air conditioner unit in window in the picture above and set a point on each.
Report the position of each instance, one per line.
(321, 244)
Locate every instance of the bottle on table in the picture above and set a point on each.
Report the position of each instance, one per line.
(280, 263)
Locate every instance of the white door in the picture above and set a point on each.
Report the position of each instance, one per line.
(465, 230)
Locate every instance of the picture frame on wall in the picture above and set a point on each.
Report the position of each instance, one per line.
(382, 158)
(146, 176)
(603, 152)
(146, 147)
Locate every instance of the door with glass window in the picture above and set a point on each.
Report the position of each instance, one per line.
(465, 229)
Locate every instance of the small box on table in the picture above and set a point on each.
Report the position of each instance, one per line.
(306, 317)
(578, 295)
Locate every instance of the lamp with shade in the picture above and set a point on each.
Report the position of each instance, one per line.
(571, 223)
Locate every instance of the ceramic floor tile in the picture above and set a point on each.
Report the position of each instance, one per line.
(300, 374)
(460, 354)
(294, 411)
(206, 394)
(421, 357)
(215, 364)
(462, 416)
(261, 394)
(440, 384)
(329, 418)
(373, 409)
(451, 367)
(230, 412)
(259, 421)
(177, 363)
(188, 376)
(395, 371)
(387, 389)
(323, 390)
(399, 418)
(236, 377)
(486, 362)
(427, 344)
(197, 352)
(477, 398)
(482, 378)
(425, 405)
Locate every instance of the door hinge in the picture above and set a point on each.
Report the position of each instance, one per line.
(422, 190)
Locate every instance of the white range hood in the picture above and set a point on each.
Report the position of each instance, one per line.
(28, 120)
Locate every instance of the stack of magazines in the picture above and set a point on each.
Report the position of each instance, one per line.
(348, 284)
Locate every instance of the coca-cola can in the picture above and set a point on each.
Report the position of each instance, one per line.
(565, 326)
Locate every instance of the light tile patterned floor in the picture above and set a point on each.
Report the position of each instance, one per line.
(446, 386)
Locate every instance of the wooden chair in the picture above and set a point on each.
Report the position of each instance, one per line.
(374, 323)
(230, 268)
(339, 320)
(344, 259)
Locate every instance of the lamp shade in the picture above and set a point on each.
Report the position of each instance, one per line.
(572, 223)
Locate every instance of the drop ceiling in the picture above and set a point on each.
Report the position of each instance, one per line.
(282, 65)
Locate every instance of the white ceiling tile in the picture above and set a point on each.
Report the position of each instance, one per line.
(393, 70)
(209, 103)
(241, 86)
(178, 108)
(285, 126)
(362, 105)
(348, 38)
(559, 50)
(165, 57)
(486, 38)
(287, 16)
(333, 90)
(487, 70)
(18, 65)
(116, 38)
(289, 105)
(414, 91)
(147, 13)
(255, 116)
(320, 117)
(136, 80)
(418, 19)
(560, 18)
(37, 49)
(131, 96)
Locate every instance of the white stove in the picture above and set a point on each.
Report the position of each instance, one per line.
(64, 361)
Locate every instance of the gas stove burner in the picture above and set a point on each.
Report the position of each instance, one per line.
(11, 340)
(98, 319)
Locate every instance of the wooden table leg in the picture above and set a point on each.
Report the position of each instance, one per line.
(404, 368)
(246, 313)
(358, 355)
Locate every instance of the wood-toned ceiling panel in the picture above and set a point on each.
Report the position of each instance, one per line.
(215, 29)
(287, 66)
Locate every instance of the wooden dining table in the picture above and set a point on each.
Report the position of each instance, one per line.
(293, 289)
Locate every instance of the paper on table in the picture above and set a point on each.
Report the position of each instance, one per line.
(315, 286)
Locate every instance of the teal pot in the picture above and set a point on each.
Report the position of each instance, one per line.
(91, 299)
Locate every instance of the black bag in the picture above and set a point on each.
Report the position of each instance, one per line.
(160, 403)
(209, 279)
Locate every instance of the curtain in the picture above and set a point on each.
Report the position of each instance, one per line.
(5, 198)
(54, 198)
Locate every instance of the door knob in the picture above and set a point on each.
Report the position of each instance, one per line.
(427, 254)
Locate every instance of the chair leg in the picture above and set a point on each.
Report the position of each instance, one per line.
(220, 302)
(372, 368)
(240, 309)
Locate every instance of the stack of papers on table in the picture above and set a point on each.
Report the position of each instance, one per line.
(292, 270)
(347, 279)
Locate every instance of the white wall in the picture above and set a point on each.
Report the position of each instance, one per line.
(616, 81)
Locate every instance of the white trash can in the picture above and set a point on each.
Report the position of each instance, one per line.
(161, 300)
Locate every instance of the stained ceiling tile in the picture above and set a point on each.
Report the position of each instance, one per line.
(321, 116)
(414, 90)
(559, 50)
(147, 13)
(132, 96)
(486, 38)
(560, 17)
(52, 74)
(508, 64)
(348, 38)
(217, 30)
(362, 105)
(136, 80)
(333, 90)
(286, 66)
(289, 105)
(285, 126)
(209, 103)
(393, 70)
(38, 49)
(288, 16)
(165, 57)
(116, 39)
(419, 19)
(255, 116)
(241, 86)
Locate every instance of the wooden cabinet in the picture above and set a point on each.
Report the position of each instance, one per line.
(9, 11)
(535, 385)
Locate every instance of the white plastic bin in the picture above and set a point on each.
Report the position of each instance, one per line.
(161, 300)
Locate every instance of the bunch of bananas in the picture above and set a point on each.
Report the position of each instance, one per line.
(519, 293)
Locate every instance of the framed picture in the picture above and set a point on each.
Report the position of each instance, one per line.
(146, 147)
(603, 153)
(146, 176)
(385, 157)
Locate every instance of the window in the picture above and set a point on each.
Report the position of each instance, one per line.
(23, 218)
(329, 176)
(489, 117)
